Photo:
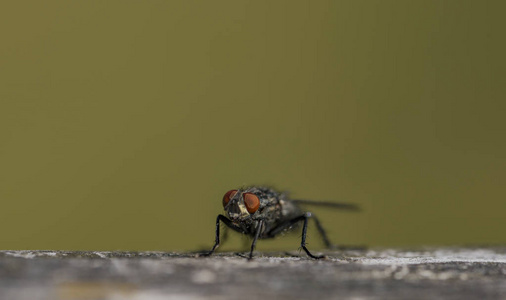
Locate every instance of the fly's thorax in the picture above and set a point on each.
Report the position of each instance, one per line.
(289, 209)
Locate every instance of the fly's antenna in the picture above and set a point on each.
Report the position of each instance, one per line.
(346, 206)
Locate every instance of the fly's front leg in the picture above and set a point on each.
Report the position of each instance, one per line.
(259, 228)
(227, 222)
(305, 217)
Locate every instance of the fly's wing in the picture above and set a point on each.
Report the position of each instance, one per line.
(337, 205)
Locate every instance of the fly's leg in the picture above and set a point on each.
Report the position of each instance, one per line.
(327, 242)
(303, 241)
(259, 228)
(305, 217)
(322, 232)
(227, 222)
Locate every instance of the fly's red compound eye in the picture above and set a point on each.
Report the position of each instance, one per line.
(228, 195)
(251, 201)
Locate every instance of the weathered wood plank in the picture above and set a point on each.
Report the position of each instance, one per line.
(444, 273)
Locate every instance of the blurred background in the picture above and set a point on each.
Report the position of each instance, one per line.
(123, 123)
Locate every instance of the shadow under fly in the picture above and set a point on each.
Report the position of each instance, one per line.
(263, 213)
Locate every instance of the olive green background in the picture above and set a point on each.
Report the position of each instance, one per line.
(122, 123)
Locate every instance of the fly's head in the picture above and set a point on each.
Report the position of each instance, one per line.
(243, 206)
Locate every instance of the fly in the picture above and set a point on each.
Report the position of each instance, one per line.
(263, 213)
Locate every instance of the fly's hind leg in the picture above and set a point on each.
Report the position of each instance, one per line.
(322, 232)
(327, 242)
(303, 241)
(305, 217)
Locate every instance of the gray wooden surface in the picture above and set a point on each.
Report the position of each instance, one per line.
(443, 273)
